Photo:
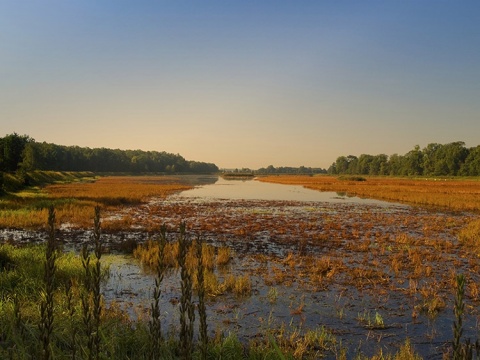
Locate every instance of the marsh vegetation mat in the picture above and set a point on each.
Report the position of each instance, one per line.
(373, 274)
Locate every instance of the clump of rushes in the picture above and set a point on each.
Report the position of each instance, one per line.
(186, 305)
(202, 312)
(91, 299)
(47, 304)
(155, 322)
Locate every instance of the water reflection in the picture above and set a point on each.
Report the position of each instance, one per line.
(257, 190)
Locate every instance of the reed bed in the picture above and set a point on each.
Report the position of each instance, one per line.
(461, 195)
(75, 201)
(117, 191)
(212, 259)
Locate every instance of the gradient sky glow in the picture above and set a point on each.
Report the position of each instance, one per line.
(242, 83)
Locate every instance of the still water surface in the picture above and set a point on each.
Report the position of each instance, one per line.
(257, 190)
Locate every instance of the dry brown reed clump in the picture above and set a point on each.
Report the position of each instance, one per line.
(212, 258)
(469, 236)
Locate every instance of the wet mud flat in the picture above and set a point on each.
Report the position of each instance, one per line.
(372, 274)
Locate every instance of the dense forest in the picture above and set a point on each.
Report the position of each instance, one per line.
(22, 153)
(452, 159)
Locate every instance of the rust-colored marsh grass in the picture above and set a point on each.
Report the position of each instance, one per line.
(118, 190)
(74, 202)
(454, 194)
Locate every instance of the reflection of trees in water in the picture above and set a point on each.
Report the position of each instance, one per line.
(196, 180)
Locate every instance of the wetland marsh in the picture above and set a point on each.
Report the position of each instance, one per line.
(367, 274)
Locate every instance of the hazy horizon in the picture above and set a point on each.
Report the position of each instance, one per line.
(242, 83)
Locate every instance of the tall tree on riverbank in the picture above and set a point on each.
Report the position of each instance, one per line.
(434, 160)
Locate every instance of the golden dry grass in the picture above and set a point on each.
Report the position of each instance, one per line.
(458, 194)
(118, 190)
(74, 202)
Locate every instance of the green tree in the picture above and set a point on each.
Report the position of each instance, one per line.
(430, 158)
(11, 151)
(396, 164)
(413, 164)
(471, 166)
(364, 164)
(454, 154)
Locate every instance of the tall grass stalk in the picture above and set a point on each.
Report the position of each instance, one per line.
(155, 326)
(86, 301)
(96, 280)
(462, 350)
(202, 311)
(187, 311)
(92, 298)
(47, 304)
(458, 324)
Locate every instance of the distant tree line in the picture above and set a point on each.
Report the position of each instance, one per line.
(452, 159)
(290, 170)
(22, 153)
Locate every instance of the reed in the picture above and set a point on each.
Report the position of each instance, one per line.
(86, 302)
(47, 305)
(459, 308)
(92, 297)
(96, 282)
(202, 310)
(155, 322)
(187, 313)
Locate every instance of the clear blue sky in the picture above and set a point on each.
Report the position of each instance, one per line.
(242, 83)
